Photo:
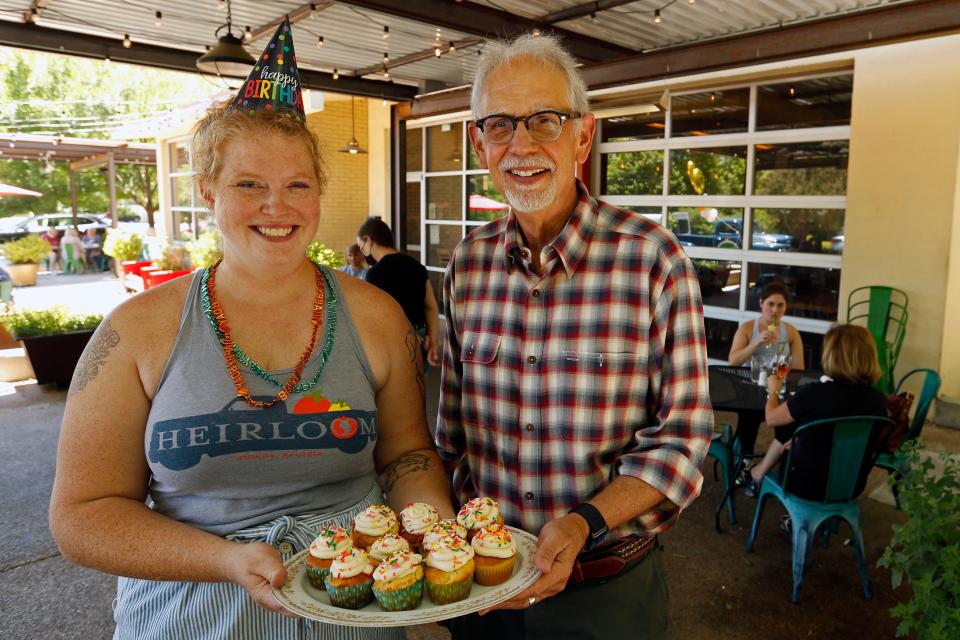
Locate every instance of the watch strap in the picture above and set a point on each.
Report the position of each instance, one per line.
(598, 526)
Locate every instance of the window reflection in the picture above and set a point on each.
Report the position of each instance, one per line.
(655, 214)
(444, 147)
(801, 168)
(179, 158)
(710, 112)
(707, 226)
(632, 173)
(713, 171)
(414, 150)
(413, 214)
(814, 292)
(719, 337)
(441, 241)
(719, 282)
(803, 230)
(818, 102)
(636, 126)
(444, 198)
(484, 200)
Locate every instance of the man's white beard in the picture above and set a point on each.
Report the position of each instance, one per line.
(532, 198)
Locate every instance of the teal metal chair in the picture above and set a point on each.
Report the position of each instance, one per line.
(897, 463)
(884, 312)
(849, 451)
(724, 450)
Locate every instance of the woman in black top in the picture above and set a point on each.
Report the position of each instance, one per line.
(405, 279)
(850, 362)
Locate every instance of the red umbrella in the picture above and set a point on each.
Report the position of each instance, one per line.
(479, 202)
(10, 190)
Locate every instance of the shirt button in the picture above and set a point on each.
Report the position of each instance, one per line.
(284, 548)
(531, 359)
(529, 426)
(536, 293)
(528, 495)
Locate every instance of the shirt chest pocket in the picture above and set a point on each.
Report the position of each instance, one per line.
(479, 348)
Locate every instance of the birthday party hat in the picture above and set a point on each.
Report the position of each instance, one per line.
(274, 83)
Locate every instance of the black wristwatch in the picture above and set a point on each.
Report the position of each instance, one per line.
(598, 526)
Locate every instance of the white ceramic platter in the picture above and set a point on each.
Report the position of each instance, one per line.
(302, 598)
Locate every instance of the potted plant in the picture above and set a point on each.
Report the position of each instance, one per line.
(25, 255)
(925, 550)
(53, 340)
(123, 246)
(173, 262)
(321, 254)
(206, 249)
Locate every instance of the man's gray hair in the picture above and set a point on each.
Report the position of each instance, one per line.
(545, 48)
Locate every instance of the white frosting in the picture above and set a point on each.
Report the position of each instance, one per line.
(350, 563)
(419, 517)
(397, 565)
(478, 512)
(494, 542)
(441, 530)
(449, 554)
(331, 541)
(388, 545)
(375, 521)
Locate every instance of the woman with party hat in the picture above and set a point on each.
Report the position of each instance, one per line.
(216, 423)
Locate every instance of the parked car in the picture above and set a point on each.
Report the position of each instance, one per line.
(726, 235)
(13, 228)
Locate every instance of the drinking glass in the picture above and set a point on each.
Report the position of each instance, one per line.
(783, 370)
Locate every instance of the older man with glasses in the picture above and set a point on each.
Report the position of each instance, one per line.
(575, 366)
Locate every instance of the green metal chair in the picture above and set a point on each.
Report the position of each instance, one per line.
(724, 451)
(850, 450)
(72, 262)
(897, 463)
(884, 311)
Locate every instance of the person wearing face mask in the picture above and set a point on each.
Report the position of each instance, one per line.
(764, 339)
(406, 280)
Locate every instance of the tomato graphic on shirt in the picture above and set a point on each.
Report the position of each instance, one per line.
(313, 402)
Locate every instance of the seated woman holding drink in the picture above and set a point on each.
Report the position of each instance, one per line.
(850, 363)
(758, 343)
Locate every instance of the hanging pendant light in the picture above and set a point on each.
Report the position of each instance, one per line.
(353, 146)
(227, 57)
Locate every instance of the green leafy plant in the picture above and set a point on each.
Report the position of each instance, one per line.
(41, 322)
(206, 249)
(173, 256)
(123, 245)
(29, 249)
(321, 254)
(925, 550)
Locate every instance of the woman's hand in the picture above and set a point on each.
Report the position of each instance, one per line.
(258, 569)
(433, 351)
(773, 384)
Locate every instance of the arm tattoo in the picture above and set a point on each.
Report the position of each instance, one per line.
(412, 342)
(94, 356)
(402, 466)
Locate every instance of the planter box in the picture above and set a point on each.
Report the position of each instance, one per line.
(153, 278)
(54, 357)
(134, 266)
(23, 275)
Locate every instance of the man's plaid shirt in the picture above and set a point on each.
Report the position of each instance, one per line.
(555, 384)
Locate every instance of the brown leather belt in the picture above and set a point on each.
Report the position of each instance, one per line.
(610, 559)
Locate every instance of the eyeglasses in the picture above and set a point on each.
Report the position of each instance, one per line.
(543, 126)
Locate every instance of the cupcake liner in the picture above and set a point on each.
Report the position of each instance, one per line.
(447, 593)
(402, 599)
(493, 574)
(317, 576)
(353, 597)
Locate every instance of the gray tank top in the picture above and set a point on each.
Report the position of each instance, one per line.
(220, 465)
(768, 352)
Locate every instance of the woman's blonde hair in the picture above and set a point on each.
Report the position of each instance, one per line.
(850, 355)
(221, 124)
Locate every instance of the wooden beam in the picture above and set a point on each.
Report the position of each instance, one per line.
(582, 10)
(417, 56)
(298, 14)
(29, 36)
(884, 25)
(479, 20)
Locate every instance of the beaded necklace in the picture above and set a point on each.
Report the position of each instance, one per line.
(232, 353)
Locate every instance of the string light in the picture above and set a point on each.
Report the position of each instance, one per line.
(222, 5)
(158, 19)
(536, 32)
(386, 72)
(127, 42)
(386, 58)
(436, 52)
(336, 74)
(656, 16)
(33, 16)
(319, 41)
(691, 1)
(248, 33)
(452, 48)
(792, 91)
(593, 17)
(386, 32)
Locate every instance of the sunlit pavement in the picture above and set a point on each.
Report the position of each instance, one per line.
(83, 293)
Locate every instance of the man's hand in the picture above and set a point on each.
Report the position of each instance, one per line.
(257, 568)
(557, 548)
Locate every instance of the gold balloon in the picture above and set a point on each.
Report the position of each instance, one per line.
(696, 177)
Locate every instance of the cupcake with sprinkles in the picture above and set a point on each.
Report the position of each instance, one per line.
(350, 582)
(416, 520)
(330, 542)
(496, 553)
(441, 530)
(398, 582)
(386, 546)
(373, 522)
(449, 573)
(477, 514)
